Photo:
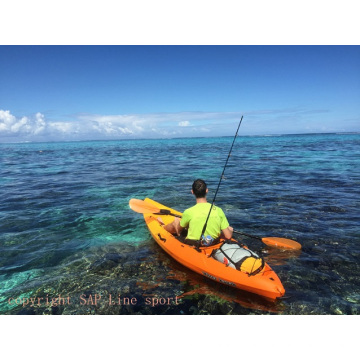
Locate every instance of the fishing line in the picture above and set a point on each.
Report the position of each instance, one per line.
(221, 177)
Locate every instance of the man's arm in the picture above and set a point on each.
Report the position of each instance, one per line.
(228, 232)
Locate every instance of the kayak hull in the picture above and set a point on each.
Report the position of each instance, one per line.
(265, 283)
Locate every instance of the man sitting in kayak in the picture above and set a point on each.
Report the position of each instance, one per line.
(195, 217)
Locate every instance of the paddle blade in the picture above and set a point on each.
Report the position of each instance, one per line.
(281, 243)
(140, 206)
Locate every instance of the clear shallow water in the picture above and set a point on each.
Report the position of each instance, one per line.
(66, 228)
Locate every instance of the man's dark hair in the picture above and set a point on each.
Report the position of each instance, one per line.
(199, 188)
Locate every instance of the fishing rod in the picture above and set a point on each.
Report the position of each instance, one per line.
(221, 177)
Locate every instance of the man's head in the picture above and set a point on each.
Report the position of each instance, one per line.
(199, 188)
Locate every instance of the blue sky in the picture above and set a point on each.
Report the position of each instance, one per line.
(124, 92)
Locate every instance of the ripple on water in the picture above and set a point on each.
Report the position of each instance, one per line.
(66, 226)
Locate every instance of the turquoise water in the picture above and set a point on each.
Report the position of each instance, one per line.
(66, 227)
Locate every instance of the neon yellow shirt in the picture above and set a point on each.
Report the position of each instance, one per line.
(194, 218)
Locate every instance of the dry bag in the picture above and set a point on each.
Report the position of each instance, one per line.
(239, 258)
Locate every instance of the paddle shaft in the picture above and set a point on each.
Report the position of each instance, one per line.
(276, 242)
(221, 177)
(166, 212)
(248, 235)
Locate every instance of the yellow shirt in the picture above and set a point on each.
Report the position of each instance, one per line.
(194, 218)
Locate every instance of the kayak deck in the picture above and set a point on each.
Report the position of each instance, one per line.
(265, 283)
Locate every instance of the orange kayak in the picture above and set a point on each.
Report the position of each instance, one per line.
(263, 282)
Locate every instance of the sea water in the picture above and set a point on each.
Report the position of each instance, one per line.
(70, 244)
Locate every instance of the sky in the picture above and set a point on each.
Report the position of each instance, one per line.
(57, 93)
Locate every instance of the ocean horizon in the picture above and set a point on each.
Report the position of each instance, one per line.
(179, 138)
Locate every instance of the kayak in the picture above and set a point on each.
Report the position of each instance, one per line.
(202, 260)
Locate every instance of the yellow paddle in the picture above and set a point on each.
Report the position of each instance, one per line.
(142, 207)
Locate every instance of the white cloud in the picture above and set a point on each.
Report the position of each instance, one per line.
(96, 127)
(25, 126)
(184, 123)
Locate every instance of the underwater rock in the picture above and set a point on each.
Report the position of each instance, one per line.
(107, 262)
(353, 298)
